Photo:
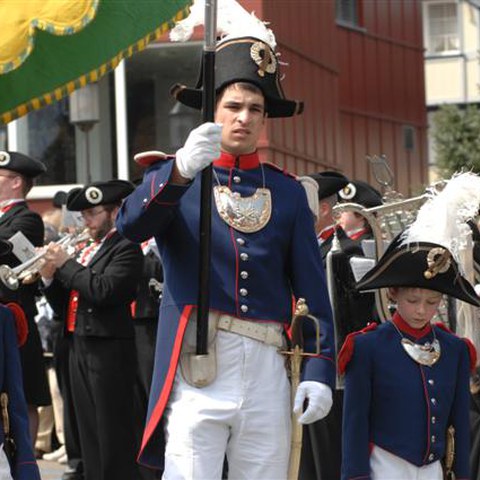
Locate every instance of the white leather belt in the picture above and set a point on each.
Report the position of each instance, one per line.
(265, 333)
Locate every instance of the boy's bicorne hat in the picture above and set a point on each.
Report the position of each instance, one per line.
(329, 183)
(98, 193)
(362, 193)
(246, 53)
(248, 60)
(20, 163)
(419, 265)
(429, 253)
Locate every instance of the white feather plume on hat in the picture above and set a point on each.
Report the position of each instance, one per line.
(233, 21)
(442, 218)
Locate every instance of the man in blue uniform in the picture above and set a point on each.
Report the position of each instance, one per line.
(264, 255)
(13, 334)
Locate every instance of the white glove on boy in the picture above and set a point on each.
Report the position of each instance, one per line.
(319, 398)
(201, 148)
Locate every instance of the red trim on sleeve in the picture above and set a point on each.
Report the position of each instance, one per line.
(21, 322)
(346, 352)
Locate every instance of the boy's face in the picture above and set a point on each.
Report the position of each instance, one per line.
(416, 306)
(242, 114)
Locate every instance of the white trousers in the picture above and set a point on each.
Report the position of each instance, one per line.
(4, 466)
(244, 414)
(386, 466)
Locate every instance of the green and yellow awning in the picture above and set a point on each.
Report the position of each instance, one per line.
(48, 48)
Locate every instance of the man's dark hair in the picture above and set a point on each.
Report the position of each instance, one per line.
(249, 87)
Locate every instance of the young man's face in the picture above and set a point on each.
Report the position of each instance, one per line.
(242, 114)
(416, 306)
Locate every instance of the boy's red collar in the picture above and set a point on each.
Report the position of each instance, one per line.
(404, 327)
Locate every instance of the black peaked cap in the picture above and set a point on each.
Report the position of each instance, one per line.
(98, 193)
(21, 163)
(329, 183)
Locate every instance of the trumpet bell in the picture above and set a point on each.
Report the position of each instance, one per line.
(8, 277)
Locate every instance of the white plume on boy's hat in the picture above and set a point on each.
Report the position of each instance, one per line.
(233, 21)
(442, 218)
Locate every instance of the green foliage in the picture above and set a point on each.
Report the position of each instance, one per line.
(456, 134)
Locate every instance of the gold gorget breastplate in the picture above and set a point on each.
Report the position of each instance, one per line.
(427, 354)
(245, 214)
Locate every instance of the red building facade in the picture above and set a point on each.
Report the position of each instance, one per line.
(362, 82)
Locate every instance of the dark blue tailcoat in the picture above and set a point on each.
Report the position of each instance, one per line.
(281, 261)
(402, 406)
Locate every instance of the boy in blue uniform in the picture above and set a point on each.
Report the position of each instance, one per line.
(264, 254)
(407, 381)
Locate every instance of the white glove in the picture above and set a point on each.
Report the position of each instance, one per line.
(200, 150)
(319, 398)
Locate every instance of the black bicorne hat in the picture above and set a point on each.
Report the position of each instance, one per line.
(329, 183)
(362, 193)
(250, 60)
(419, 265)
(98, 193)
(20, 163)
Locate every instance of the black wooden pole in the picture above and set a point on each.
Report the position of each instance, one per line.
(208, 106)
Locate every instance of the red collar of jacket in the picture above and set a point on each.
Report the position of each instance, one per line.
(242, 162)
(404, 327)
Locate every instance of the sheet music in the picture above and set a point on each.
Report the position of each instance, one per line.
(22, 247)
(360, 266)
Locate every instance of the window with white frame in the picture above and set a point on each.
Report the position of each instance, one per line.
(442, 28)
(347, 12)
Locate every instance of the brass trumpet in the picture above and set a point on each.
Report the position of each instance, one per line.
(13, 277)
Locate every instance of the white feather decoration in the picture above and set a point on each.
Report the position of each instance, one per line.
(233, 21)
(442, 218)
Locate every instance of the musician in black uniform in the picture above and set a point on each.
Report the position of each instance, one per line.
(17, 172)
(93, 293)
(322, 441)
(62, 349)
(329, 184)
(353, 223)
